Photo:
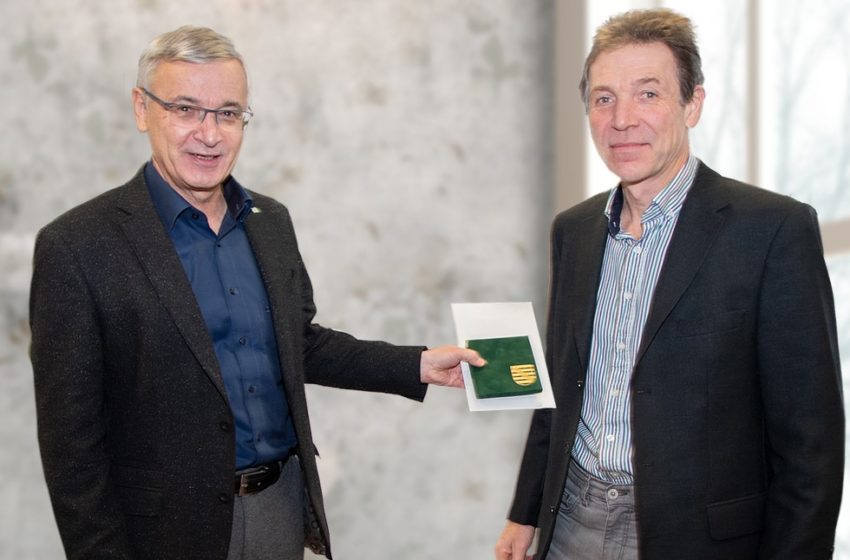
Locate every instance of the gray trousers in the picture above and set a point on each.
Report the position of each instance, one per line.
(596, 520)
(269, 525)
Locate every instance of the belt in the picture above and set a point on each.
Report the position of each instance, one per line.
(257, 479)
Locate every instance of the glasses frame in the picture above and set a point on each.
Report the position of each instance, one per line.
(172, 107)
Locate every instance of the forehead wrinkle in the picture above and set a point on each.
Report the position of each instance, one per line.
(647, 80)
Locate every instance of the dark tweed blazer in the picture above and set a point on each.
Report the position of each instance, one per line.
(737, 419)
(134, 425)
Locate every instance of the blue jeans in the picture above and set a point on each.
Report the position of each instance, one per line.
(596, 520)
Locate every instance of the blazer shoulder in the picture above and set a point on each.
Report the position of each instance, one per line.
(711, 186)
(88, 216)
(591, 209)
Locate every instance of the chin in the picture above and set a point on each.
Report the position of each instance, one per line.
(628, 174)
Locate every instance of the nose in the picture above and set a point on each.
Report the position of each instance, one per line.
(624, 114)
(208, 131)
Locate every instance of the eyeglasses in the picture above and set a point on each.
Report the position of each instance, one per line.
(190, 116)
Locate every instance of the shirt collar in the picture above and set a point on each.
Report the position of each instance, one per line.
(668, 202)
(169, 204)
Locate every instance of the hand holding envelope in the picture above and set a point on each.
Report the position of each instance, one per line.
(506, 335)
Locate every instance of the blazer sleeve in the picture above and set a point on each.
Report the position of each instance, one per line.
(68, 374)
(528, 496)
(801, 392)
(337, 359)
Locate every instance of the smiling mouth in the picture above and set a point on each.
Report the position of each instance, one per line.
(627, 146)
(205, 157)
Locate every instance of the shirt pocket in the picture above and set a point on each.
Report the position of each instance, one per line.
(140, 490)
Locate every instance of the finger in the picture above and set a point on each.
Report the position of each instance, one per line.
(472, 357)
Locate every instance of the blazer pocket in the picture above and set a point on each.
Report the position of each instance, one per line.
(736, 518)
(139, 490)
(720, 322)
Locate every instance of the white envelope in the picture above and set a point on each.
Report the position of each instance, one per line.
(494, 320)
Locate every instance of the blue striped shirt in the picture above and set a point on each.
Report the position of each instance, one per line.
(630, 271)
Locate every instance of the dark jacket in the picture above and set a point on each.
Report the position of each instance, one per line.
(737, 419)
(134, 425)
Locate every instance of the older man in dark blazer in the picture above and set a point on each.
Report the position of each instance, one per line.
(172, 335)
(691, 340)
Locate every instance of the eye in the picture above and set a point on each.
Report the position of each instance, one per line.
(649, 95)
(186, 112)
(603, 100)
(229, 115)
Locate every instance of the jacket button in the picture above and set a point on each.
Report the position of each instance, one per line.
(580, 383)
(223, 498)
(225, 426)
(552, 509)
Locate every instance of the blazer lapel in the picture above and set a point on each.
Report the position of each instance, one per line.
(698, 226)
(155, 252)
(588, 263)
(275, 251)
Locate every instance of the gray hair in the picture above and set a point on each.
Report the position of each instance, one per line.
(185, 44)
(650, 26)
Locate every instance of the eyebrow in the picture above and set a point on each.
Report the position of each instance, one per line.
(649, 80)
(638, 82)
(194, 101)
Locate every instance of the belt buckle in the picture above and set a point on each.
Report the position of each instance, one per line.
(252, 482)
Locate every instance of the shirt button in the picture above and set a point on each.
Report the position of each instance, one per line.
(233, 291)
(610, 437)
(195, 215)
(252, 389)
(615, 392)
(242, 341)
(638, 250)
(621, 346)
(627, 295)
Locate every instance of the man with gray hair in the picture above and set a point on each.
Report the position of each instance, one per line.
(172, 335)
(691, 340)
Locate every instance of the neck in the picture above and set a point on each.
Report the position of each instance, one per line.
(631, 214)
(209, 201)
(638, 196)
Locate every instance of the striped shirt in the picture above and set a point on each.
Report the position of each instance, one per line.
(630, 271)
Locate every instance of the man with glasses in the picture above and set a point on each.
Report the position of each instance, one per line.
(172, 334)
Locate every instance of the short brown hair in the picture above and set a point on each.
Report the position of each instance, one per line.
(650, 26)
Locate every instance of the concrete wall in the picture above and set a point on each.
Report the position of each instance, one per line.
(411, 140)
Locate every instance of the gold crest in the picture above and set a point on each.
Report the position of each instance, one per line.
(524, 375)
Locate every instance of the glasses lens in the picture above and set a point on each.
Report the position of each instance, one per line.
(230, 120)
(190, 116)
(186, 115)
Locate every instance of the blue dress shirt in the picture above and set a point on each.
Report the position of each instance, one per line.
(630, 272)
(232, 299)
